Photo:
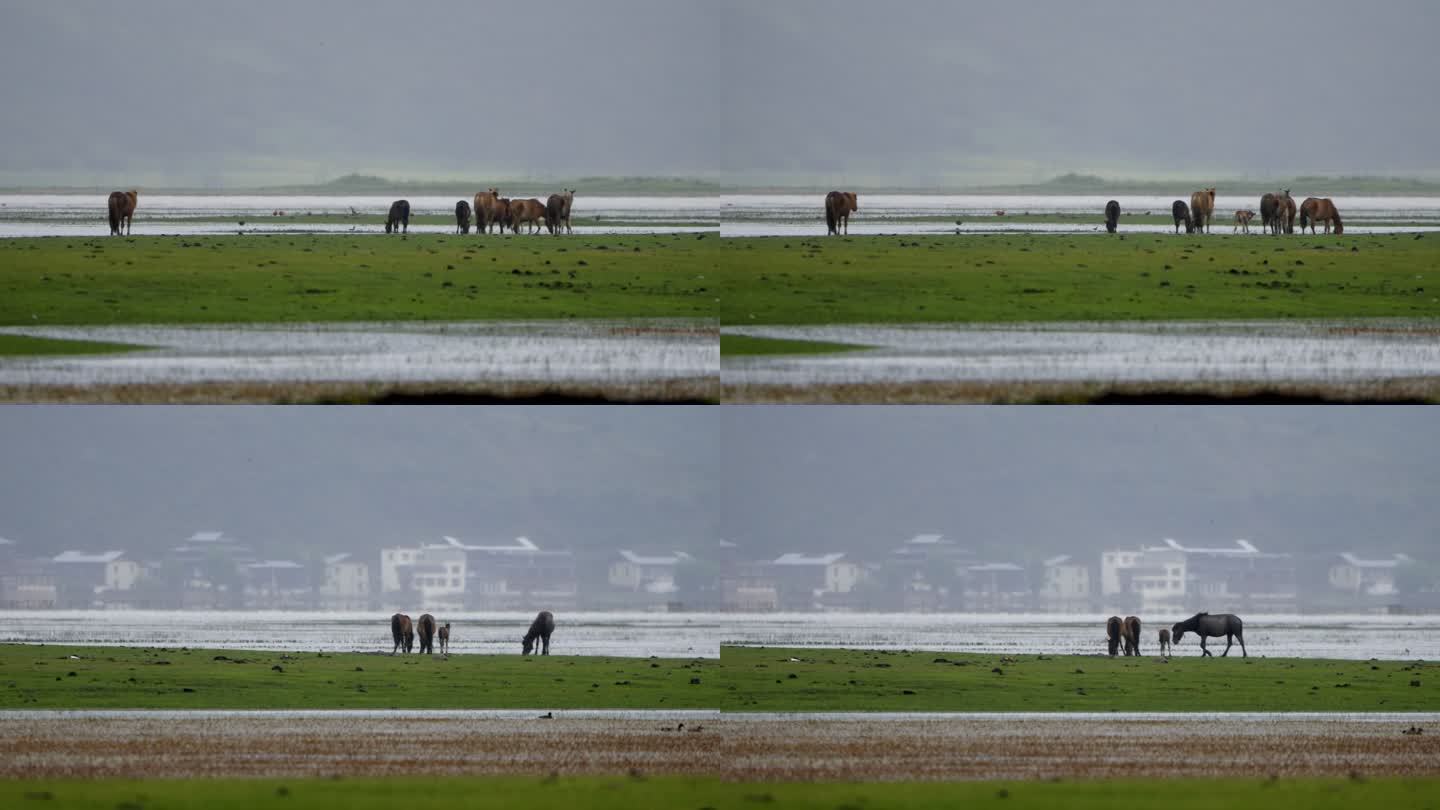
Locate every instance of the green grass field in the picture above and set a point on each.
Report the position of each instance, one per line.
(45, 677)
(744, 344)
(672, 793)
(1023, 277)
(765, 679)
(25, 345)
(361, 277)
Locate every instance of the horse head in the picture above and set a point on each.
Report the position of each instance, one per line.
(528, 643)
(1177, 632)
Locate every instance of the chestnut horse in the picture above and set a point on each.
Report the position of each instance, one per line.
(1131, 632)
(1112, 216)
(427, 634)
(403, 631)
(1272, 214)
(557, 211)
(539, 632)
(1320, 210)
(839, 205)
(1288, 210)
(1242, 220)
(1202, 205)
(527, 212)
(487, 211)
(122, 210)
(1112, 634)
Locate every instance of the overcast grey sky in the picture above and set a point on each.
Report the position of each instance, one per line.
(1030, 482)
(816, 91)
(338, 479)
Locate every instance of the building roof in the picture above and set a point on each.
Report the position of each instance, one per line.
(928, 540)
(673, 558)
(1060, 560)
(335, 559)
(520, 544)
(1394, 562)
(277, 564)
(793, 558)
(1241, 547)
(986, 567)
(88, 557)
(208, 537)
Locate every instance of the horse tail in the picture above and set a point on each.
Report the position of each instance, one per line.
(114, 215)
(1304, 218)
(831, 221)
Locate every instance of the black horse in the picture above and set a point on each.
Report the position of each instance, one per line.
(462, 217)
(427, 634)
(399, 217)
(1112, 216)
(1206, 626)
(1131, 633)
(1112, 632)
(1181, 212)
(539, 632)
(403, 631)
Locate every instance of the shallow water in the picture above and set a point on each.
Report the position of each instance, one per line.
(638, 635)
(546, 351)
(85, 214)
(803, 214)
(1229, 351)
(1354, 637)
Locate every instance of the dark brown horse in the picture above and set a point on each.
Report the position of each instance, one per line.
(1320, 210)
(1164, 641)
(539, 633)
(1288, 210)
(555, 214)
(403, 631)
(1181, 213)
(1112, 216)
(462, 217)
(1271, 213)
(445, 639)
(1202, 205)
(399, 217)
(427, 634)
(487, 211)
(839, 205)
(1131, 632)
(122, 210)
(1206, 626)
(1113, 630)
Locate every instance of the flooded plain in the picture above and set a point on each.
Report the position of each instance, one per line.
(684, 635)
(1323, 353)
(789, 747)
(607, 354)
(197, 214)
(914, 214)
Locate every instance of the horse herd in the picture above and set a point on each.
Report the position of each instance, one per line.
(489, 211)
(1125, 634)
(404, 631)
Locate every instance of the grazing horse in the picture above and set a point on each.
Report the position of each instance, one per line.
(122, 211)
(539, 632)
(427, 634)
(1181, 213)
(1131, 632)
(1320, 210)
(1202, 205)
(1206, 626)
(1164, 641)
(1112, 216)
(1112, 633)
(399, 217)
(462, 217)
(1242, 220)
(839, 205)
(554, 213)
(445, 639)
(527, 212)
(487, 211)
(403, 631)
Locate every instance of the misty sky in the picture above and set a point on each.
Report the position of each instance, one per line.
(752, 91)
(352, 479)
(1021, 483)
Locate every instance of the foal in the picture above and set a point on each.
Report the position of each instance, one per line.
(445, 639)
(1164, 641)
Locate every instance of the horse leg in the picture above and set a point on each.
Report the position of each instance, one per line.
(1229, 642)
(1204, 651)
(1243, 652)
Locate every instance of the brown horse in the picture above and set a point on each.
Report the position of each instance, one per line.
(427, 634)
(1320, 210)
(839, 205)
(1164, 641)
(539, 632)
(462, 217)
(1131, 632)
(555, 214)
(1272, 213)
(1288, 204)
(527, 212)
(1202, 205)
(445, 639)
(569, 196)
(1242, 220)
(487, 211)
(122, 210)
(1112, 633)
(403, 631)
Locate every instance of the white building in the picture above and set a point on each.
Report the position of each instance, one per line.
(1355, 575)
(88, 579)
(346, 585)
(1066, 587)
(1173, 578)
(433, 575)
(651, 573)
(803, 579)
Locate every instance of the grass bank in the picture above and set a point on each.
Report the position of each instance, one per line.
(1031, 277)
(737, 345)
(810, 680)
(639, 793)
(48, 677)
(27, 346)
(360, 277)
